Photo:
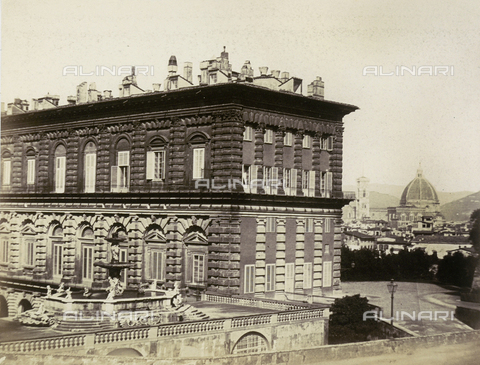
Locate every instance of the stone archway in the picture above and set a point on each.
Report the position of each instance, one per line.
(127, 352)
(251, 342)
(24, 306)
(3, 307)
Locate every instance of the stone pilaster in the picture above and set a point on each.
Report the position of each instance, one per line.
(317, 256)
(69, 239)
(260, 257)
(280, 257)
(72, 167)
(138, 159)
(299, 253)
(297, 160)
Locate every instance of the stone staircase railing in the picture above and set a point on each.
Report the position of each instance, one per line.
(253, 302)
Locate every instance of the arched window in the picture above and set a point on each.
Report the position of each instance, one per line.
(57, 251)
(198, 144)
(156, 157)
(4, 244)
(120, 174)
(90, 167)
(6, 169)
(60, 168)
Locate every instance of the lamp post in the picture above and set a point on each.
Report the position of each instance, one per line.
(392, 287)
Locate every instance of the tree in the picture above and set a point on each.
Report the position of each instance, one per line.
(347, 324)
(475, 239)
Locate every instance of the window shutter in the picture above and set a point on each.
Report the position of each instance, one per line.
(329, 184)
(90, 167)
(294, 181)
(198, 163)
(123, 158)
(114, 178)
(289, 277)
(60, 174)
(274, 180)
(311, 183)
(31, 171)
(330, 143)
(327, 274)
(150, 165)
(253, 182)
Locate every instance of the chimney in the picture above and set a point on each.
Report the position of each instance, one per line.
(71, 100)
(276, 73)
(172, 66)
(187, 71)
(82, 93)
(316, 88)
(263, 71)
(156, 87)
(247, 70)
(285, 76)
(107, 94)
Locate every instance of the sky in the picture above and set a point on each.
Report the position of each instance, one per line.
(403, 120)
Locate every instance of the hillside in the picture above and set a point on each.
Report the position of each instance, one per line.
(461, 209)
(379, 200)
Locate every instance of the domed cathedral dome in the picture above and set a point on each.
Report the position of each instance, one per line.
(420, 193)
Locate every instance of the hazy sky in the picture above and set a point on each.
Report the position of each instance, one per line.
(403, 120)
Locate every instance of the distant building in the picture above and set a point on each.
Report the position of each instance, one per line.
(442, 245)
(419, 207)
(359, 208)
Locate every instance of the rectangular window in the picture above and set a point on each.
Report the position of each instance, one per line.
(307, 275)
(213, 78)
(288, 139)
(57, 259)
(156, 165)
(198, 266)
(268, 136)
(307, 141)
(327, 249)
(289, 278)
(28, 254)
(249, 283)
(327, 274)
(87, 265)
(198, 163)
(326, 184)
(90, 172)
(121, 173)
(308, 183)
(271, 225)
(6, 172)
(30, 171)
(157, 265)
(248, 134)
(309, 225)
(270, 277)
(267, 177)
(4, 253)
(60, 174)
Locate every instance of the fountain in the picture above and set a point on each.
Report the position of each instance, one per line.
(114, 267)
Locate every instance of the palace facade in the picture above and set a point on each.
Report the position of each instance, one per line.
(231, 186)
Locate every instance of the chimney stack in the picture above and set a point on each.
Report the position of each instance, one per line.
(276, 73)
(71, 100)
(187, 71)
(263, 71)
(285, 76)
(316, 88)
(156, 87)
(172, 66)
(107, 94)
